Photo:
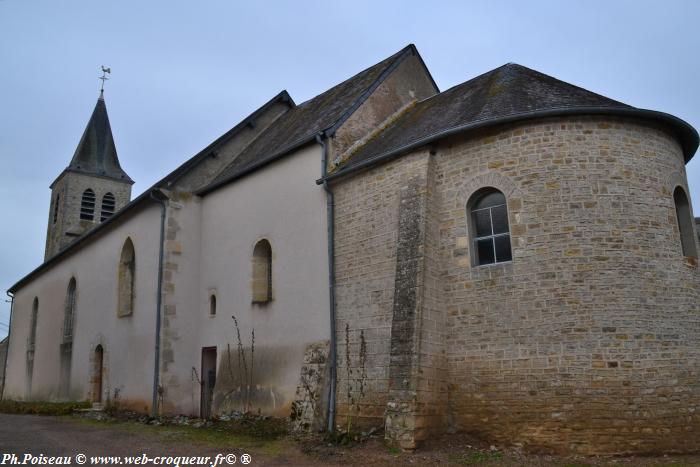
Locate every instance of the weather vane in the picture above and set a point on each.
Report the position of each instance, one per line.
(104, 77)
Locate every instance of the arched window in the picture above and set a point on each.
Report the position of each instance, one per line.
(32, 329)
(55, 208)
(108, 204)
(212, 305)
(685, 222)
(489, 227)
(69, 312)
(87, 205)
(262, 272)
(127, 275)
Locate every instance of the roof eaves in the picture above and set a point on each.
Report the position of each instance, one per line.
(687, 135)
(145, 196)
(253, 167)
(92, 174)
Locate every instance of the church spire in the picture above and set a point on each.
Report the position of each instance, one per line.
(96, 153)
(93, 186)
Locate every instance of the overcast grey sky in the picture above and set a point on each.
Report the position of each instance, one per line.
(184, 72)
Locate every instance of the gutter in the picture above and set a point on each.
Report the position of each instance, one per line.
(687, 135)
(7, 351)
(160, 198)
(255, 166)
(330, 219)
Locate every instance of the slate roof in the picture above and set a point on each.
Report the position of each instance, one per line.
(510, 92)
(96, 153)
(301, 124)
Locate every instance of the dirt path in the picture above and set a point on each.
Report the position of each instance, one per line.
(63, 436)
(69, 436)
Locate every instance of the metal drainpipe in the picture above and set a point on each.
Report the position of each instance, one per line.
(330, 215)
(159, 197)
(7, 350)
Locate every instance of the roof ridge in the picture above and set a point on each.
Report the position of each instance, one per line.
(395, 61)
(381, 69)
(396, 54)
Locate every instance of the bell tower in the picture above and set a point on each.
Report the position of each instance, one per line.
(91, 188)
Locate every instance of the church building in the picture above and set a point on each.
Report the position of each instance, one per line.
(514, 257)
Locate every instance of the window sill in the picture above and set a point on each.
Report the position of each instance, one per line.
(491, 265)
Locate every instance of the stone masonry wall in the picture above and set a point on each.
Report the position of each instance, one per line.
(175, 386)
(589, 341)
(390, 363)
(311, 399)
(417, 386)
(366, 218)
(70, 188)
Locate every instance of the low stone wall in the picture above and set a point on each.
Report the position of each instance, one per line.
(309, 408)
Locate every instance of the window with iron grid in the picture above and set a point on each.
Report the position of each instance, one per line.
(491, 233)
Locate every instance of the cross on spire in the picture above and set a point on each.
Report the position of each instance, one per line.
(104, 78)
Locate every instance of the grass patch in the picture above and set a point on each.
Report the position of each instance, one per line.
(266, 436)
(394, 451)
(42, 408)
(476, 458)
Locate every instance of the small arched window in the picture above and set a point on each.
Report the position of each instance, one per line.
(69, 312)
(685, 222)
(262, 272)
(108, 204)
(212, 305)
(87, 205)
(126, 278)
(32, 328)
(489, 227)
(55, 208)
